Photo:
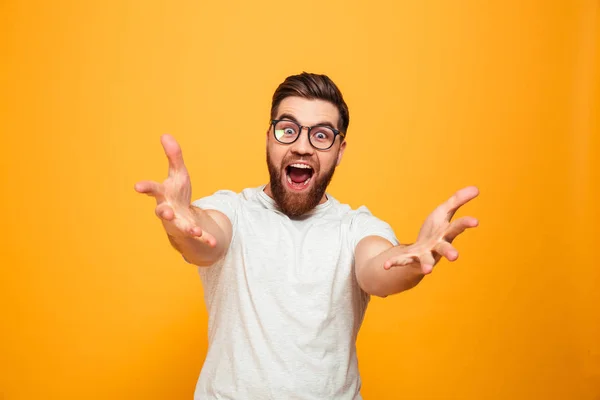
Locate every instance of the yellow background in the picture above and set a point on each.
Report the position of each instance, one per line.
(442, 94)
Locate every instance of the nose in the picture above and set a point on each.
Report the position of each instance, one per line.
(302, 145)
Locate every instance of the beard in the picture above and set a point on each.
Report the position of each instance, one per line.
(297, 204)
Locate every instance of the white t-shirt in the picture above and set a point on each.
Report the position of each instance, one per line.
(284, 305)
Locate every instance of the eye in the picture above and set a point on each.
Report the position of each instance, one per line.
(286, 131)
(322, 135)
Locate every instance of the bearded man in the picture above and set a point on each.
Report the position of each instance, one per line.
(287, 269)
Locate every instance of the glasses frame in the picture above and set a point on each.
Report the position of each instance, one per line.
(308, 129)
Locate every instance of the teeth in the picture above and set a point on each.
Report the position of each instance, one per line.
(301, 166)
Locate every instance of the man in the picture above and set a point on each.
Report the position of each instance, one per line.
(287, 269)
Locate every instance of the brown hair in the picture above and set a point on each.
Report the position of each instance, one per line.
(312, 86)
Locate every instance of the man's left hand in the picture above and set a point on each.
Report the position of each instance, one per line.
(437, 233)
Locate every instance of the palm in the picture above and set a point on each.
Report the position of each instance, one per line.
(173, 196)
(434, 227)
(176, 195)
(437, 233)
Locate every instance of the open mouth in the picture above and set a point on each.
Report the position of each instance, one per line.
(298, 176)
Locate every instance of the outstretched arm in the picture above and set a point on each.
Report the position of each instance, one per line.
(201, 236)
(383, 269)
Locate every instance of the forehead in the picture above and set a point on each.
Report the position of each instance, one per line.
(309, 112)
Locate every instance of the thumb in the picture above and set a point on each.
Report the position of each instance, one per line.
(427, 262)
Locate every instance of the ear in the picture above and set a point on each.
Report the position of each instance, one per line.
(340, 153)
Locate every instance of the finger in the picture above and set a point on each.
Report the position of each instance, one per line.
(459, 226)
(203, 236)
(400, 261)
(459, 199)
(165, 212)
(427, 262)
(150, 188)
(446, 250)
(173, 153)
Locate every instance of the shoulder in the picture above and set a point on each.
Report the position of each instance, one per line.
(229, 195)
(219, 196)
(361, 223)
(363, 218)
(351, 214)
(228, 201)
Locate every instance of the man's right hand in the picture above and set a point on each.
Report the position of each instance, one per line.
(201, 236)
(174, 196)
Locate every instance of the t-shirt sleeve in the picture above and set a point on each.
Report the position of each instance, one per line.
(365, 224)
(225, 201)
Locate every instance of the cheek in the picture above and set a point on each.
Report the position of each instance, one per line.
(276, 153)
(327, 163)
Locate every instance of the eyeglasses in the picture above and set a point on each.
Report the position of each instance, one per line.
(319, 137)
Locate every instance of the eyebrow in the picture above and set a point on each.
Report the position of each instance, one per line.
(292, 118)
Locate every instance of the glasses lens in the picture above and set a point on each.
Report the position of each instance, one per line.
(286, 131)
(322, 137)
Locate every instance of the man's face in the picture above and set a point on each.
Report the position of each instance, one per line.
(299, 173)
